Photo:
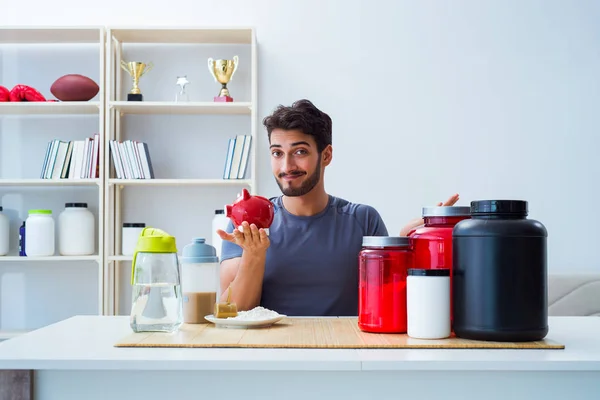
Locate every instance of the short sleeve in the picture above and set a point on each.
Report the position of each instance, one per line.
(374, 225)
(228, 249)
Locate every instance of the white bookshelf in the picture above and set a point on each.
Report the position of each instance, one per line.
(162, 107)
(180, 182)
(33, 182)
(37, 56)
(187, 141)
(50, 108)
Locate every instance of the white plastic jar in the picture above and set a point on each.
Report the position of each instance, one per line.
(220, 221)
(129, 236)
(4, 233)
(76, 231)
(39, 235)
(428, 303)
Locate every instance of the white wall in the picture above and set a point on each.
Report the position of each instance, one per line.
(487, 99)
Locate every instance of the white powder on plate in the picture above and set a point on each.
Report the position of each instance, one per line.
(256, 314)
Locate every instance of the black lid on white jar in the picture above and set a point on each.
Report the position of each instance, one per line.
(429, 272)
(76, 205)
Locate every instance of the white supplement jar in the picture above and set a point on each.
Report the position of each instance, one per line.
(428, 303)
(76, 230)
(220, 221)
(129, 236)
(4, 233)
(39, 235)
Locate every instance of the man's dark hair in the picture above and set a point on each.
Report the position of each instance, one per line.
(303, 116)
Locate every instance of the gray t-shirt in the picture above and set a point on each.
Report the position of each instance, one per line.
(312, 262)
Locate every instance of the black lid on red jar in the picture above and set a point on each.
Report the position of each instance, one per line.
(499, 207)
(446, 211)
(386, 241)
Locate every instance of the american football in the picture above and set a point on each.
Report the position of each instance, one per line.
(74, 87)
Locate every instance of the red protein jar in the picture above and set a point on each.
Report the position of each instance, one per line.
(384, 262)
(432, 243)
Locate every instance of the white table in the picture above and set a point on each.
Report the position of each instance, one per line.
(75, 359)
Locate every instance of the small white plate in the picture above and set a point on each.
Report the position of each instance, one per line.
(236, 323)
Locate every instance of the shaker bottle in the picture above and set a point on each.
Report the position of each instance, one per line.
(200, 281)
(156, 294)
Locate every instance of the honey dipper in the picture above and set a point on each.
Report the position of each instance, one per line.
(225, 310)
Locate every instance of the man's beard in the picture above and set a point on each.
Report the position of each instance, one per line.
(306, 186)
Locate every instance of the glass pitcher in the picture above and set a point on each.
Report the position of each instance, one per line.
(156, 283)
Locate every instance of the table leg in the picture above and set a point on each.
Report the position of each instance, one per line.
(16, 384)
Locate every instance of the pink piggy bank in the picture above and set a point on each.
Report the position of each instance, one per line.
(255, 210)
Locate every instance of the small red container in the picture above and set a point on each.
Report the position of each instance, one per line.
(432, 243)
(383, 266)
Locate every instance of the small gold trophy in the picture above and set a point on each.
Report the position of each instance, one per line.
(223, 71)
(136, 69)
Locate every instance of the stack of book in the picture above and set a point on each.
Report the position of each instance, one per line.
(236, 162)
(131, 159)
(75, 159)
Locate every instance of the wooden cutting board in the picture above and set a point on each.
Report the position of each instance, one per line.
(309, 333)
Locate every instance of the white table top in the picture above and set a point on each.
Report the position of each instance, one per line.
(86, 342)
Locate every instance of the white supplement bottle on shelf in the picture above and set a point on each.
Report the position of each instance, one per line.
(4, 233)
(220, 221)
(76, 230)
(129, 236)
(428, 303)
(39, 235)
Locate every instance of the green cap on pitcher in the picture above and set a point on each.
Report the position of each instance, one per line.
(153, 240)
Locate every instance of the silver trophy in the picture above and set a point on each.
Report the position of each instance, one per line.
(182, 94)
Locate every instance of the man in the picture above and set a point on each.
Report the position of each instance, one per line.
(308, 265)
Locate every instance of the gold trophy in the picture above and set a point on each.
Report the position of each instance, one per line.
(223, 71)
(136, 69)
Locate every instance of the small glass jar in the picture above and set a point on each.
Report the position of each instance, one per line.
(76, 230)
(39, 235)
(129, 236)
(383, 265)
(428, 303)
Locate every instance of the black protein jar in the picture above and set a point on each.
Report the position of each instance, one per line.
(500, 274)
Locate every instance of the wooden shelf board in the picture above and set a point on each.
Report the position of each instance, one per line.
(49, 108)
(179, 182)
(182, 35)
(49, 182)
(161, 107)
(12, 258)
(49, 34)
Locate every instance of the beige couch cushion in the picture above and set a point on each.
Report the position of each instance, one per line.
(574, 294)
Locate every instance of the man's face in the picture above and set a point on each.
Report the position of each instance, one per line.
(295, 161)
